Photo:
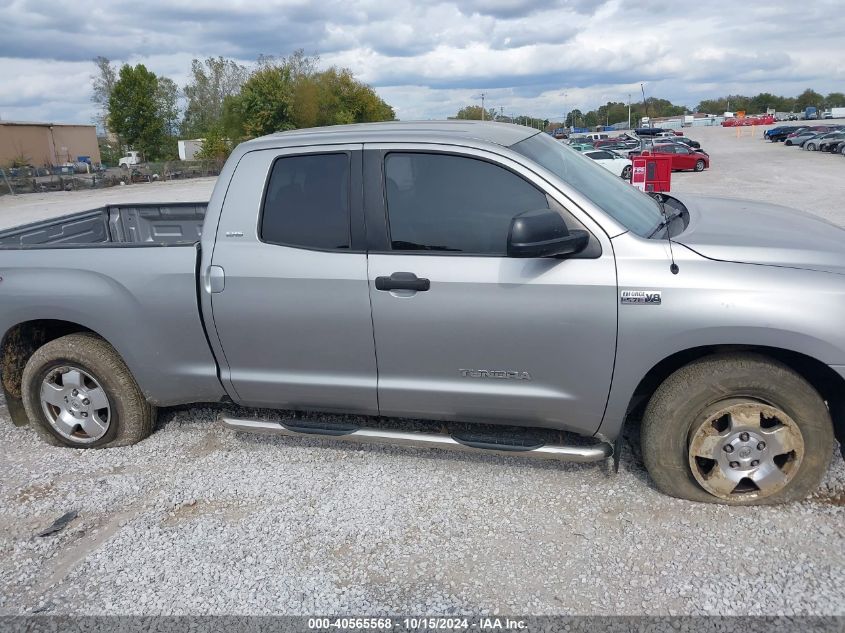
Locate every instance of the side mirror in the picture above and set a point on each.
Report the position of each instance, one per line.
(543, 233)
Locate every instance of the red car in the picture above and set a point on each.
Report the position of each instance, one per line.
(682, 157)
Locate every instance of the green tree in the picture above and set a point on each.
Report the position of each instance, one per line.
(334, 97)
(835, 100)
(263, 105)
(135, 111)
(212, 81)
(473, 112)
(103, 81)
(575, 118)
(808, 98)
(215, 146)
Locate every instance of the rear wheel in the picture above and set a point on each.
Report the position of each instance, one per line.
(78, 392)
(810, 147)
(737, 429)
(699, 165)
(626, 172)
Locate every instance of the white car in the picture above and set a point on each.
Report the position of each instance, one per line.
(612, 162)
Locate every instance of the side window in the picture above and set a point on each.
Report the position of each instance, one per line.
(440, 202)
(307, 202)
(602, 155)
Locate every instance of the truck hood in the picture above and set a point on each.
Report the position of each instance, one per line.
(760, 233)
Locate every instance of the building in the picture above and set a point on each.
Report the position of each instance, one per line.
(46, 144)
(189, 148)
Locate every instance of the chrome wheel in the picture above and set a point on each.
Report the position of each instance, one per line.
(745, 450)
(75, 404)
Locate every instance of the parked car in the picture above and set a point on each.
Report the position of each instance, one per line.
(683, 158)
(777, 134)
(687, 141)
(829, 140)
(837, 148)
(648, 144)
(467, 272)
(581, 147)
(623, 149)
(814, 142)
(612, 162)
(798, 138)
(648, 131)
(615, 141)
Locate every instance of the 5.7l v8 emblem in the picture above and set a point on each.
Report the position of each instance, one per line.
(641, 297)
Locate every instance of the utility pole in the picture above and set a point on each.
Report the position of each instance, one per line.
(645, 104)
(481, 96)
(629, 110)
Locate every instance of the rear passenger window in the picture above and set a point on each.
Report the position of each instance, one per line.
(307, 202)
(440, 202)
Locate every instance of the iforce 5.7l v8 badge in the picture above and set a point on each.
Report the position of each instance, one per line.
(641, 297)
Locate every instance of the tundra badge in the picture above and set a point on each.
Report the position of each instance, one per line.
(641, 297)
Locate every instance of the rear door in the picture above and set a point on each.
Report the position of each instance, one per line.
(684, 158)
(464, 332)
(292, 312)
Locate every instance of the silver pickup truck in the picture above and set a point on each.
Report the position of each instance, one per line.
(479, 274)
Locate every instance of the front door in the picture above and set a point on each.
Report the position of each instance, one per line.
(293, 312)
(462, 331)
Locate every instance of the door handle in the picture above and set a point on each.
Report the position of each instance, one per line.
(402, 281)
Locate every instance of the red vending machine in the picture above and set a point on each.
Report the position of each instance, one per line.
(652, 172)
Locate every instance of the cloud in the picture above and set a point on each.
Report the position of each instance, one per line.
(429, 58)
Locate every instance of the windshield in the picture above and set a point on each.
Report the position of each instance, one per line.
(635, 210)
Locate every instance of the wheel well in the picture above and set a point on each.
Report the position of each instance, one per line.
(829, 384)
(21, 342)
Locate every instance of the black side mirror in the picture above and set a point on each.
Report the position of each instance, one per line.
(543, 233)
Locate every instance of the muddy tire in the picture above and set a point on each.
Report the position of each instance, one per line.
(78, 392)
(737, 429)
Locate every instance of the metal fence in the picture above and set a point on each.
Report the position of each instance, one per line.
(38, 180)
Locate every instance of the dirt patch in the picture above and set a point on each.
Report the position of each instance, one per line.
(34, 492)
(831, 499)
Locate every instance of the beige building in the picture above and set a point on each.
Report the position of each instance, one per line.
(45, 144)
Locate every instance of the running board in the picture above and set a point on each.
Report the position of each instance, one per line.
(364, 435)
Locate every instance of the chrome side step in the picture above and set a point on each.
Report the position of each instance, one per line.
(366, 435)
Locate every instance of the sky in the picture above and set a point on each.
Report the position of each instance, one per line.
(429, 59)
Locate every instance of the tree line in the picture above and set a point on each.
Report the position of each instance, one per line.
(617, 111)
(225, 102)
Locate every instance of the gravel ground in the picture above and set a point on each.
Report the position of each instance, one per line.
(198, 520)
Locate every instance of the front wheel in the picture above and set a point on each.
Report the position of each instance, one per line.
(78, 392)
(626, 172)
(738, 429)
(699, 165)
(810, 147)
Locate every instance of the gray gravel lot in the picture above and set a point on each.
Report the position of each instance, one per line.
(196, 519)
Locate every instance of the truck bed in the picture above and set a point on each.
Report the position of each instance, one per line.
(151, 224)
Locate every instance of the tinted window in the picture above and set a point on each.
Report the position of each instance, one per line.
(439, 202)
(626, 204)
(307, 202)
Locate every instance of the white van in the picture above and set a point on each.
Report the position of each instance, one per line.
(597, 136)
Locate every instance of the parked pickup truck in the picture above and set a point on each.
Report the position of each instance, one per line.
(466, 272)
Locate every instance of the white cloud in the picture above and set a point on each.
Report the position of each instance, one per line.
(428, 59)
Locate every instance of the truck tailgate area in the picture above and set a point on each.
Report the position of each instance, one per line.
(170, 223)
(143, 301)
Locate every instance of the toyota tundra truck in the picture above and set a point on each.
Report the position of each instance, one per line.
(477, 274)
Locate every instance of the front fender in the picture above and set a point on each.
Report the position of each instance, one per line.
(714, 303)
